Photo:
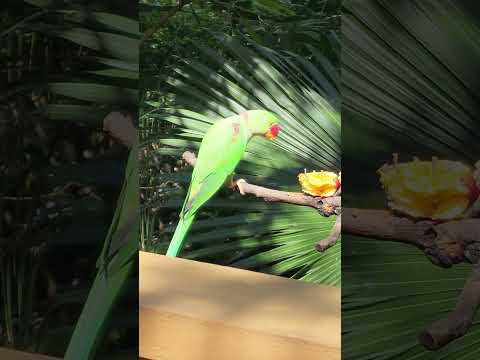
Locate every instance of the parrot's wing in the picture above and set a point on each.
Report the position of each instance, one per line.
(221, 150)
(221, 147)
(205, 190)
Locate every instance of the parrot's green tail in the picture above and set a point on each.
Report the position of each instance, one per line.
(176, 244)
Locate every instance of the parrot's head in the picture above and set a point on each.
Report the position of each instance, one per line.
(263, 123)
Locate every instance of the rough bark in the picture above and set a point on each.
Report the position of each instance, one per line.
(457, 323)
(444, 244)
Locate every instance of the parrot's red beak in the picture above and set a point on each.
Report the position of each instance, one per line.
(272, 133)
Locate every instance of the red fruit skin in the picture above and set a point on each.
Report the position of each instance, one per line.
(338, 183)
(473, 189)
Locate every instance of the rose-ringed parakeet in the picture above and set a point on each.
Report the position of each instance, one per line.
(221, 150)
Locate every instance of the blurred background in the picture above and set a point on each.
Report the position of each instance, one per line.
(65, 67)
(409, 86)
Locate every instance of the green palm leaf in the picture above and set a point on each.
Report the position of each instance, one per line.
(111, 37)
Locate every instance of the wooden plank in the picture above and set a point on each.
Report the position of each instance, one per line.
(20, 355)
(197, 311)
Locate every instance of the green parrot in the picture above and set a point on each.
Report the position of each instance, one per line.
(221, 150)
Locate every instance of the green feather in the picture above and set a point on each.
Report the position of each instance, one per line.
(178, 239)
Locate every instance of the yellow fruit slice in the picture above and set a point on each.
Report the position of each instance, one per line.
(319, 183)
(437, 189)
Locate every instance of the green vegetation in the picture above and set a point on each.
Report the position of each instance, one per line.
(65, 67)
(214, 59)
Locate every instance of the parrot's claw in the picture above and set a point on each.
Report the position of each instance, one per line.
(230, 183)
(240, 183)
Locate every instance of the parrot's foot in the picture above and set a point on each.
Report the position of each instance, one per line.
(240, 185)
(229, 183)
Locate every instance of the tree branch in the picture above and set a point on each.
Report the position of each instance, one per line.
(332, 238)
(326, 206)
(121, 128)
(444, 244)
(457, 323)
